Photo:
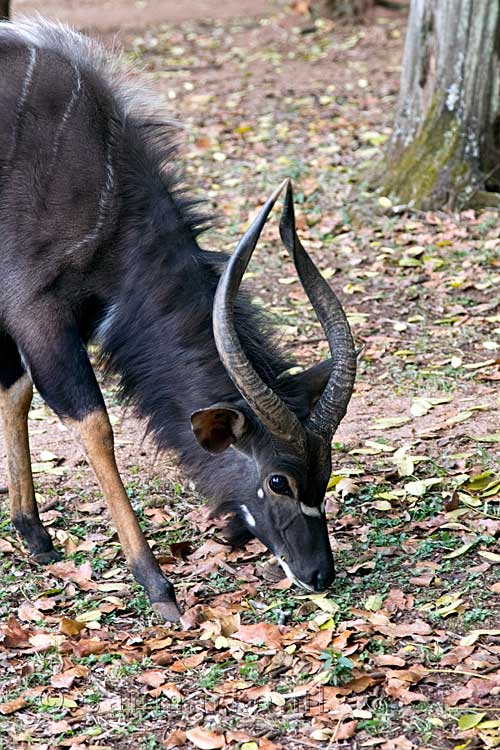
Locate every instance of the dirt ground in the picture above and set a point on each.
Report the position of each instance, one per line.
(117, 15)
(406, 645)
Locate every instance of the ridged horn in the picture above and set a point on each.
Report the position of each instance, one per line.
(265, 403)
(332, 405)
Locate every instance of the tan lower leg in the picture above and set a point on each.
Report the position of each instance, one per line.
(15, 404)
(97, 437)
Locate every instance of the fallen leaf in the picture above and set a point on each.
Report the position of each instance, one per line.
(152, 678)
(10, 707)
(44, 641)
(205, 739)
(263, 633)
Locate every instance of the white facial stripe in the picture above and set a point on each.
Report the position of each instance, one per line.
(260, 493)
(290, 575)
(307, 510)
(248, 516)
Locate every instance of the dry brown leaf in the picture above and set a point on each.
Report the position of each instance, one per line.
(153, 677)
(10, 707)
(189, 662)
(205, 739)
(397, 600)
(398, 743)
(6, 547)
(262, 633)
(58, 727)
(66, 679)
(169, 689)
(177, 738)
(66, 569)
(398, 689)
(388, 660)
(87, 646)
(345, 731)
(475, 688)
(265, 744)
(70, 627)
(14, 635)
(44, 641)
(456, 656)
(398, 630)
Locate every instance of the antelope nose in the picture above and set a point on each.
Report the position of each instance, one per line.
(321, 581)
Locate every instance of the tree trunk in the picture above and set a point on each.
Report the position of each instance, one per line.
(4, 9)
(445, 147)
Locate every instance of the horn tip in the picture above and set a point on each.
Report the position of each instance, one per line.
(279, 189)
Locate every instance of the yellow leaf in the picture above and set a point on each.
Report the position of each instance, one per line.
(327, 624)
(381, 447)
(384, 202)
(91, 616)
(468, 721)
(474, 635)
(460, 417)
(382, 505)
(221, 642)
(277, 699)
(373, 602)
(58, 701)
(417, 489)
(386, 423)
(491, 556)
(461, 550)
(489, 724)
(404, 462)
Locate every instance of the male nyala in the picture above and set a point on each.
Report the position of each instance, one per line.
(99, 243)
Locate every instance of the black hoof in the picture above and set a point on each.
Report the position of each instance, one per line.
(168, 611)
(44, 558)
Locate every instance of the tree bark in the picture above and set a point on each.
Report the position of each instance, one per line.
(4, 9)
(445, 147)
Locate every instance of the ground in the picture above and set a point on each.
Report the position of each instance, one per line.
(403, 651)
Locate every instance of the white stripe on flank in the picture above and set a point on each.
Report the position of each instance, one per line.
(67, 113)
(104, 200)
(28, 79)
(24, 95)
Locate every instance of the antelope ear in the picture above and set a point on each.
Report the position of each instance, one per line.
(218, 426)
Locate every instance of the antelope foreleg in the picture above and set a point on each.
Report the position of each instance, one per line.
(96, 435)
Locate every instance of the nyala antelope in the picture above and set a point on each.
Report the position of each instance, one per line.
(99, 242)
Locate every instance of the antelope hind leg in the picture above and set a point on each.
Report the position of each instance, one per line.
(16, 391)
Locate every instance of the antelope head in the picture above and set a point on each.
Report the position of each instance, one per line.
(287, 448)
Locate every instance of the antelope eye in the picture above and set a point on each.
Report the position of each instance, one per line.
(279, 484)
